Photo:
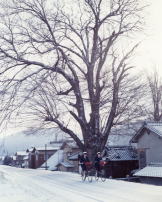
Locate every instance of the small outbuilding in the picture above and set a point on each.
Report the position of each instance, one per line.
(151, 174)
(65, 166)
(121, 160)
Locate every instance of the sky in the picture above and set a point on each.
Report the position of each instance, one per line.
(149, 54)
(150, 50)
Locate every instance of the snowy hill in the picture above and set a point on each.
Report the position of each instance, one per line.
(26, 185)
(26, 139)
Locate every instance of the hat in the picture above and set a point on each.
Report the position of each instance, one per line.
(84, 152)
(98, 152)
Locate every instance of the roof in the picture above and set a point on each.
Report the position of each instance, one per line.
(67, 164)
(121, 153)
(121, 135)
(54, 160)
(119, 140)
(74, 156)
(21, 153)
(26, 157)
(72, 145)
(155, 127)
(48, 148)
(150, 171)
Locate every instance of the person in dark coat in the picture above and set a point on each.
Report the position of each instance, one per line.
(82, 160)
(98, 159)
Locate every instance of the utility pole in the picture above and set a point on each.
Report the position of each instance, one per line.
(46, 156)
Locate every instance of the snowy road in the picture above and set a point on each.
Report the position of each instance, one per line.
(25, 185)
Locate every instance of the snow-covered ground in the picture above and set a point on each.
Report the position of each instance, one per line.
(25, 185)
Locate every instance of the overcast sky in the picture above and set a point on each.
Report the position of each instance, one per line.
(150, 50)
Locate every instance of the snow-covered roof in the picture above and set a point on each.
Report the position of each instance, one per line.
(48, 148)
(74, 156)
(70, 144)
(54, 160)
(67, 164)
(127, 129)
(119, 140)
(150, 171)
(121, 153)
(26, 157)
(155, 127)
(121, 135)
(21, 153)
(73, 145)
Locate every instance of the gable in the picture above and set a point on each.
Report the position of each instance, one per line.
(138, 135)
(152, 127)
(150, 140)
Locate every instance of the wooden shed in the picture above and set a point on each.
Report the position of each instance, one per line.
(121, 160)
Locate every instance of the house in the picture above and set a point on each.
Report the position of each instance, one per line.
(121, 160)
(26, 162)
(148, 141)
(37, 156)
(70, 157)
(14, 161)
(18, 159)
(53, 162)
(65, 159)
(151, 174)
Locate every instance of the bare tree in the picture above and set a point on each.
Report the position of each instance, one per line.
(69, 61)
(155, 85)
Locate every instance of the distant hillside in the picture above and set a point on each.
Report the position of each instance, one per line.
(26, 139)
